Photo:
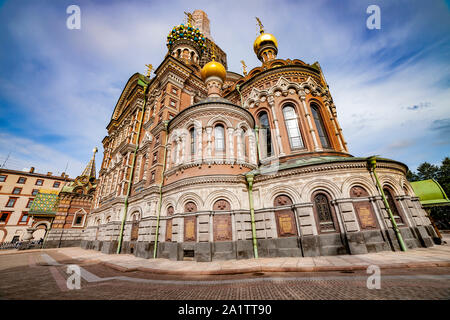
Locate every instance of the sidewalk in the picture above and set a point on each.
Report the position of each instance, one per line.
(437, 256)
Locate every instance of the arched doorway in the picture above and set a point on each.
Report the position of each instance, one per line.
(190, 223)
(324, 213)
(222, 222)
(285, 217)
(170, 212)
(40, 232)
(135, 227)
(396, 212)
(364, 211)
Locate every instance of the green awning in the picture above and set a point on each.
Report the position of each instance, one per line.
(430, 193)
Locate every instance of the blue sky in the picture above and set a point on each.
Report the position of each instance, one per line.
(58, 87)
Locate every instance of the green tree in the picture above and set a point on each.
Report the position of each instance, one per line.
(443, 176)
(427, 171)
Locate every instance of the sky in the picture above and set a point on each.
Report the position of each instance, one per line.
(58, 87)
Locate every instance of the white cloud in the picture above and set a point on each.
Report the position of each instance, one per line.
(67, 81)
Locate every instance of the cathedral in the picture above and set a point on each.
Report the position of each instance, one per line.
(201, 163)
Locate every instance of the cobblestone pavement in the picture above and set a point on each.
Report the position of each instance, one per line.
(42, 275)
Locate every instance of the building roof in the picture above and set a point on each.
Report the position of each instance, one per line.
(89, 171)
(45, 203)
(314, 160)
(430, 193)
(34, 174)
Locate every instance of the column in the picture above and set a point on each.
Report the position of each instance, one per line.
(183, 148)
(338, 130)
(311, 128)
(230, 146)
(252, 147)
(199, 141)
(169, 154)
(209, 143)
(240, 144)
(271, 102)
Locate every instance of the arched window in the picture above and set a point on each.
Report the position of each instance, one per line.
(265, 136)
(192, 137)
(221, 205)
(392, 204)
(320, 126)
(170, 211)
(190, 207)
(291, 122)
(222, 230)
(142, 169)
(135, 227)
(244, 142)
(219, 137)
(324, 213)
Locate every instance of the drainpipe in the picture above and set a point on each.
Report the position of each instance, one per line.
(372, 163)
(249, 178)
(240, 94)
(124, 218)
(160, 190)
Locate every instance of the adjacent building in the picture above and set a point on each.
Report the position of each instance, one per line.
(73, 207)
(18, 189)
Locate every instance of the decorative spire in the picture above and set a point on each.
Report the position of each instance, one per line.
(189, 17)
(213, 51)
(149, 69)
(261, 27)
(89, 171)
(244, 67)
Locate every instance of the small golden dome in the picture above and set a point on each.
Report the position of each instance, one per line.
(213, 68)
(264, 37)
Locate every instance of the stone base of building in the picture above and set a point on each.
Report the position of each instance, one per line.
(61, 243)
(307, 246)
(63, 238)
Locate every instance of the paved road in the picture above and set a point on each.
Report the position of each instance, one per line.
(39, 275)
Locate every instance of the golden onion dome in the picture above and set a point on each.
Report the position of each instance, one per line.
(213, 68)
(264, 37)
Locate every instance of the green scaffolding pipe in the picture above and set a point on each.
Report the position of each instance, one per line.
(124, 218)
(372, 163)
(160, 191)
(252, 213)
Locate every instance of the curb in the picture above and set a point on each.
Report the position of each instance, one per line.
(274, 269)
(25, 251)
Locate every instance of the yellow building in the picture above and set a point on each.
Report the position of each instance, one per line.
(17, 192)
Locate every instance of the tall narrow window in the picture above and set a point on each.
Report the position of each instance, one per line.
(265, 136)
(219, 137)
(324, 213)
(192, 136)
(244, 143)
(135, 228)
(291, 122)
(320, 126)
(398, 218)
(142, 170)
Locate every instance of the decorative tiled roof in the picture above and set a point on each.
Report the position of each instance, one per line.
(45, 203)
